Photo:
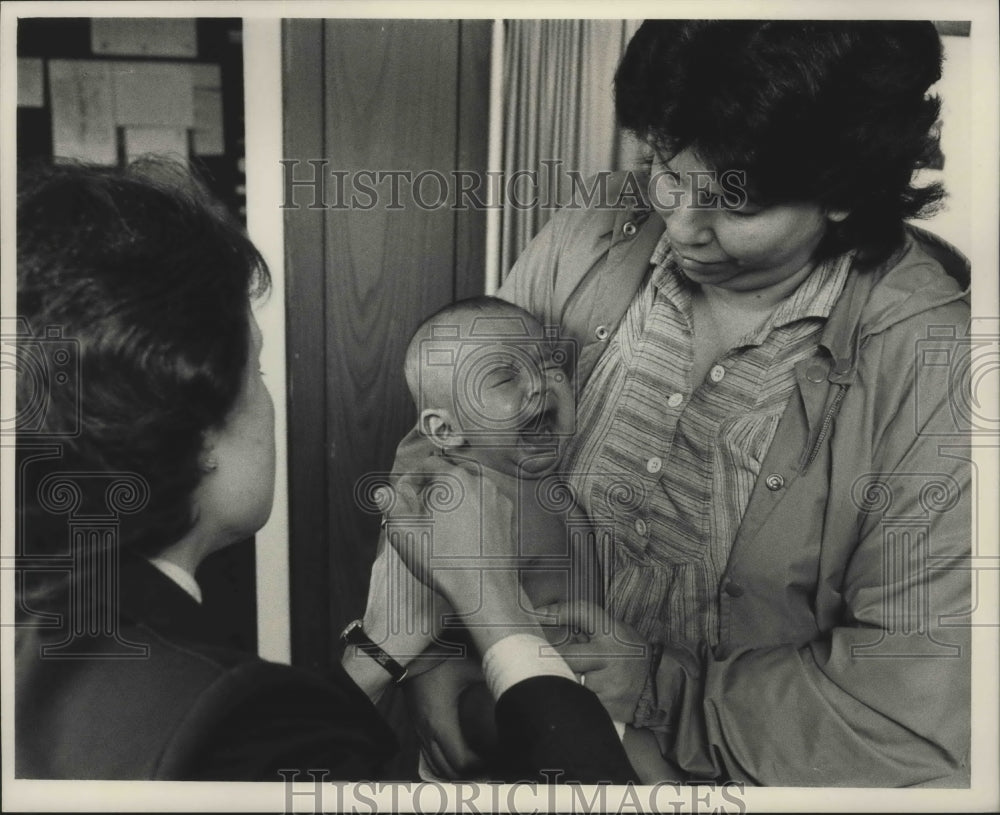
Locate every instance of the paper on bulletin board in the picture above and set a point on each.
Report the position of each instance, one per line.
(208, 134)
(153, 94)
(162, 141)
(83, 125)
(144, 36)
(206, 75)
(30, 91)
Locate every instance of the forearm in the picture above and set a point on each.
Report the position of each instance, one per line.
(493, 605)
(368, 674)
(554, 730)
(399, 620)
(495, 608)
(815, 715)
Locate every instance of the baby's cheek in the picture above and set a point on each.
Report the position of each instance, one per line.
(511, 408)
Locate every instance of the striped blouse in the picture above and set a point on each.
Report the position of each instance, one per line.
(667, 465)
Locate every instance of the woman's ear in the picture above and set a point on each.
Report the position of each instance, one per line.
(438, 426)
(207, 462)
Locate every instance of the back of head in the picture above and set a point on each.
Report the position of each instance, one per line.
(144, 281)
(829, 112)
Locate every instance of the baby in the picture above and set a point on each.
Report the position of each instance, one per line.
(492, 387)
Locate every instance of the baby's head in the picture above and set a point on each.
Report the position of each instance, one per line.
(488, 384)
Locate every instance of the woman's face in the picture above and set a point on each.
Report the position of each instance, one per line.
(740, 248)
(235, 496)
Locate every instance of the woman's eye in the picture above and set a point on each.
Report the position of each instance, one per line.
(660, 166)
(669, 175)
(744, 212)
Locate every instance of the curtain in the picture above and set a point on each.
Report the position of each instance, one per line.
(559, 119)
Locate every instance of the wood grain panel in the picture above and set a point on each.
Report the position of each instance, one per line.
(379, 95)
(307, 411)
(390, 104)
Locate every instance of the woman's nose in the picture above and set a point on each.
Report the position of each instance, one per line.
(689, 225)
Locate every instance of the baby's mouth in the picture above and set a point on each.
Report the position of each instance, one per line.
(540, 432)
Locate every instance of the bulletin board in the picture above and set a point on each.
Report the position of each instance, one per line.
(108, 90)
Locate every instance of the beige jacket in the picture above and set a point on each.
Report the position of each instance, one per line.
(844, 651)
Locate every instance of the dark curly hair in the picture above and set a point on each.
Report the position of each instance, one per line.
(830, 112)
(147, 281)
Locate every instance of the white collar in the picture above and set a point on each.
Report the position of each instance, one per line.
(180, 576)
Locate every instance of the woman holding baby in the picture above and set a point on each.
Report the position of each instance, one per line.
(748, 372)
(755, 433)
(752, 430)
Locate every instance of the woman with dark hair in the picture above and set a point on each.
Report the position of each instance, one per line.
(758, 426)
(145, 443)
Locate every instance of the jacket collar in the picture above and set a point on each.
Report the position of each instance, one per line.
(906, 284)
(149, 597)
(627, 194)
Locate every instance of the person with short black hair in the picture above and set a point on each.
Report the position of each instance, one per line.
(749, 327)
(824, 111)
(162, 451)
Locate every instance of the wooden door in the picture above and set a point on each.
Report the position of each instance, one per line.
(363, 97)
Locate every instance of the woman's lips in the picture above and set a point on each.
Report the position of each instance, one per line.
(696, 262)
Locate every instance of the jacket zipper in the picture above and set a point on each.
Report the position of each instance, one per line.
(824, 428)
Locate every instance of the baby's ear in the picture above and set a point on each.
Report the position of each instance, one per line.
(438, 426)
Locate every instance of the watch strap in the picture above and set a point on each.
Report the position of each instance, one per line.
(354, 634)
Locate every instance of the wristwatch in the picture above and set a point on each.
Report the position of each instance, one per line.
(355, 634)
